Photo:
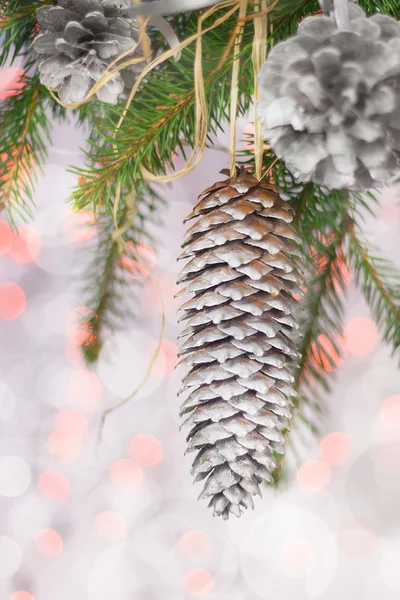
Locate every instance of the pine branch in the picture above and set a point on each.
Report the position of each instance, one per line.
(112, 273)
(17, 25)
(380, 283)
(161, 118)
(24, 130)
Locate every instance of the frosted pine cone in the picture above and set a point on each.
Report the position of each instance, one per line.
(78, 39)
(330, 101)
(238, 337)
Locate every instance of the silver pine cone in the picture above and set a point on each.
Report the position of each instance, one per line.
(78, 39)
(238, 337)
(330, 101)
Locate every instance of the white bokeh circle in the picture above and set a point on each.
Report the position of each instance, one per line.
(288, 550)
(10, 557)
(15, 476)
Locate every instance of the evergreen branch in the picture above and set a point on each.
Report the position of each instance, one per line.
(322, 304)
(380, 283)
(112, 272)
(161, 117)
(17, 24)
(24, 126)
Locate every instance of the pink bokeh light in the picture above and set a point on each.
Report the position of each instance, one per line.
(146, 450)
(5, 237)
(389, 414)
(126, 473)
(12, 301)
(12, 81)
(336, 448)
(313, 475)
(139, 259)
(166, 359)
(25, 245)
(110, 526)
(199, 582)
(64, 445)
(79, 227)
(73, 421)
(20, 595)
(48, 542)
(360, 336)
(54, 485)
(84, 388)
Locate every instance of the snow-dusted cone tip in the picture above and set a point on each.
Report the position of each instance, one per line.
(238, 337)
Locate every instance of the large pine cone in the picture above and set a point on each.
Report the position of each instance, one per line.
(330, 101)
(78, 40)
(239, 328)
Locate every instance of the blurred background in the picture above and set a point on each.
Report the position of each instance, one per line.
(121, 520)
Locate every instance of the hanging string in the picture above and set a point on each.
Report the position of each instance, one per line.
(235, 87)
(131, 213)
(259, 52)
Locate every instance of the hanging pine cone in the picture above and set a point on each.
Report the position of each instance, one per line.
(239, 345)
(78, 39)
(330, 102)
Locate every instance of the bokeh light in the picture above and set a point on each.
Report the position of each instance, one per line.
(336, 448)
(64, 445)
(79, 227)
(48, 542)
(360, 336)
(195, 543)
(139, 259)
(84, 388)
(126, 473)
(15, 476)
(326, 355)
(12, 301)
(389, 414)
(25, 245)
(146, 450)
(167, 357)
(54, 485)
(296, 555)
(198, 582)
(80, 333)
(10, 557)
(73, 421)
(20, 595)
(313, 475)
(110, 526)
(5, 237)
(12, 81)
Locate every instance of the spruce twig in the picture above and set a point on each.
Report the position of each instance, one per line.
(380, 283)
(24, 130)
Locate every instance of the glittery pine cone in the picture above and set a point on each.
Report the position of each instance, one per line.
(78, 39)
(330, 101)
(238, 337)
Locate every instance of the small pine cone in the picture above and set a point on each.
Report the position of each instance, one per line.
(239, 344)
(78, 39)
(330, 102)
